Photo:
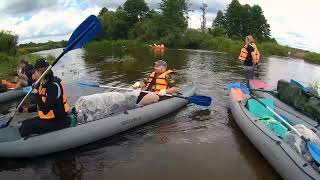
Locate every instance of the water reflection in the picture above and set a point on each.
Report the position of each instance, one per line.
(67, 168)
(193, 143)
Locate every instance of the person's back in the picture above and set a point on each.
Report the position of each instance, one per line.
(53, 100)
(51, 105)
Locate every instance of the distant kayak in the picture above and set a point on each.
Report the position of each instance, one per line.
(157, 46)
(12, 145)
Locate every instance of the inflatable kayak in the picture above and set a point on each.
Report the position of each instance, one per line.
(11, 95)
(288, 112)
(12, 145)
(287, 162)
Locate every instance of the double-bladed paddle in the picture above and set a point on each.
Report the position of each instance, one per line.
(199, 100)
(85, 32)
(314, 148)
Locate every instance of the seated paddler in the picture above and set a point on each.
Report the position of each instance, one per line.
(51, 104)
(160, 83)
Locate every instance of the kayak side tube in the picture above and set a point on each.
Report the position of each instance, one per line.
(282, 158)
(92, 131)
(287, 111)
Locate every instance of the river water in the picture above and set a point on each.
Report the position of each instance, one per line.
(193, 143)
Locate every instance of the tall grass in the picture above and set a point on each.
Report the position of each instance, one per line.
(193, 39)
(312, 57)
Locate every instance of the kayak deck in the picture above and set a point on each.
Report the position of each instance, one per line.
(280, 155)
(89, 132)
(294, 116)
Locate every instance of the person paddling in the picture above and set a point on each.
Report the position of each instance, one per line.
(250, 57)
(159, 82)
(25, 75)
(51, 104)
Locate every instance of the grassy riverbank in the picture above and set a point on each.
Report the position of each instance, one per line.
(197, 40)
(8, 63)
(35, 47)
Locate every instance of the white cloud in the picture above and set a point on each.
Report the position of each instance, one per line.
(45, 25)
(21, 6)
(292, 22)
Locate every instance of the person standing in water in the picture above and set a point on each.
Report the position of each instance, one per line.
(250, 57)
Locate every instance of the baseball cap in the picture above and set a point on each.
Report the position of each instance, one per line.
(160, 63)
(41, 63)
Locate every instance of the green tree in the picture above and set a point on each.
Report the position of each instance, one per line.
(233, 19)
(102, 11)
(145, 30)
(260, 27)
(218, 31)
(114, 25)
(246, 22)
(135, 10)
(8, 42)
(242, 20)
(173, 16)
(219, 21)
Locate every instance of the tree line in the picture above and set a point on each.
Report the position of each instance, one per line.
(135, 20)
(240, 20)
(168, 24)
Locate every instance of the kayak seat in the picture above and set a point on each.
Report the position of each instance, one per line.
(275, 126)
(257, 110)
(266, 117)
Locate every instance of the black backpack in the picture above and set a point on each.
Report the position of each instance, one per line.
(3, 88)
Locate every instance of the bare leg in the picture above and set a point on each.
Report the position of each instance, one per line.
(16, 79)
(21, 83)
(149, 99)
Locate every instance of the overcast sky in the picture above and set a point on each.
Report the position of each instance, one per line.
(293, 22)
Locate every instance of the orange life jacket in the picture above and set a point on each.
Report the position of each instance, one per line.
(42, 92)
(161, 83)
(244, 54)
(8, 84)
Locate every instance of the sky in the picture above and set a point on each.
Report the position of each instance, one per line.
(292, 22)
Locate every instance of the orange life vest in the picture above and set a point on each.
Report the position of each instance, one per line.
(244, 54)
(8, 84)
(161, 83)
(42, 92)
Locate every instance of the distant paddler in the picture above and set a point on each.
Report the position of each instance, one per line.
(157, 46)
(24, 76)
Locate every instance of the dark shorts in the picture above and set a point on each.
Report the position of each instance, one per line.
(142, 94)
(30, 82)
(39, 126)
